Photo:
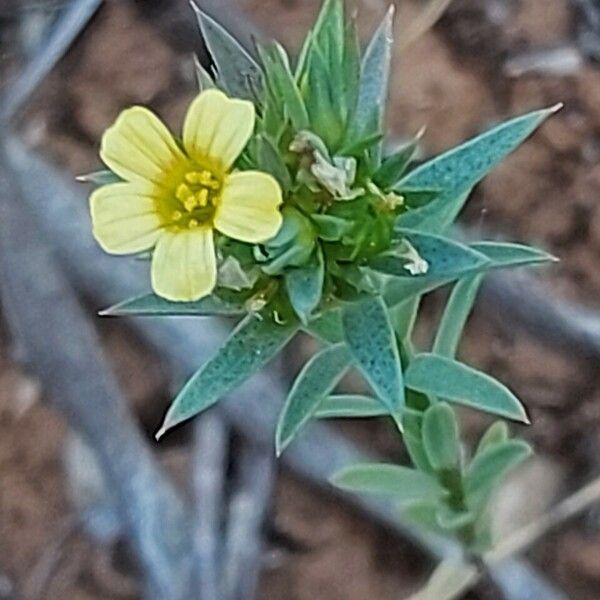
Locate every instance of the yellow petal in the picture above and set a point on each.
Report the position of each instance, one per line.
(139, 147)
(184, 266)
(248, 209)
(124, 217)
(217, 127)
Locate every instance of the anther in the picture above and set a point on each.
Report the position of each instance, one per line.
(193, 224)
(176, 216)
(183, 192)
(202, 197)
(190, 204)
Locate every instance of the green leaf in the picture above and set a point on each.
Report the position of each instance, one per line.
(404, 317)
(440, 437)
(447, 259)
(457, 171)
(282, 83)
(351, 407)
(496, 433)
(489, 467)
(499, 255)
(457, 382)
(322, 104)
(270, 160)
(419, 197)
(505, 254)
(203, 77)
(314, 382)
(237, 71)
(455, 316)
(305, 285)
(250, 346)
(372, 342)
(412, 423)
(351, 66)
(367, 119)
(452, 520)
(423, 513)
(402, 483)
(327, 326)
(394, 166)
(329, 26)
(150, 305)
(103, 177)
(331, 228)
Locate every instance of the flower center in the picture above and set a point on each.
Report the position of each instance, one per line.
(196, 197)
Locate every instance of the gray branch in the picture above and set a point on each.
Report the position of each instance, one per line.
(50, 50)
(61, 348)
(209, 464)
(248, 507)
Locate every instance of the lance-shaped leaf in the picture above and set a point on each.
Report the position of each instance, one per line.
(367, 119)
(250, 346)
(305, 285)
(506, 254)
(500, 255)
(455, 316)
(445, 258)
(458, 170)
(395, 165)
(327, 34)
(151, 305)
(349, 406)
(372, 342)
(402, 484)
(440, 437)
(103, 177)
(238, 72)
(412, 423)
(496, 433)
(457, 382)
(316, 380)
(489, 467)
(282, 83)
(204, 79)
(269, 160)
(322, 103)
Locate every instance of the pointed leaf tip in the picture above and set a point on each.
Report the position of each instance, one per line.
(556, 107)
(253, 343)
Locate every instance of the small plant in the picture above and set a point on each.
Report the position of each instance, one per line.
(281, 204)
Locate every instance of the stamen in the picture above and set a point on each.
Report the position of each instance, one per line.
(193, 224)
(192, 177)
(183, 192)
(202, 197)
(191, 203)
(204, 178)
(176, 215)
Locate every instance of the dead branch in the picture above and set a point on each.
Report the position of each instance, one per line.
(62, 349)
(250, 500)
(73, 20)
(209, 466)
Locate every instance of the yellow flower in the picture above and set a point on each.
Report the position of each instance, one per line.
(176, 194)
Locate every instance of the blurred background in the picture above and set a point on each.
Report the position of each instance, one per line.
(90, 507)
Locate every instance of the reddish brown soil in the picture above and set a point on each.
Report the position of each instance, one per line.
(547, 193)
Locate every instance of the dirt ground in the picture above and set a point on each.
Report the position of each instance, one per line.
(452, 80)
